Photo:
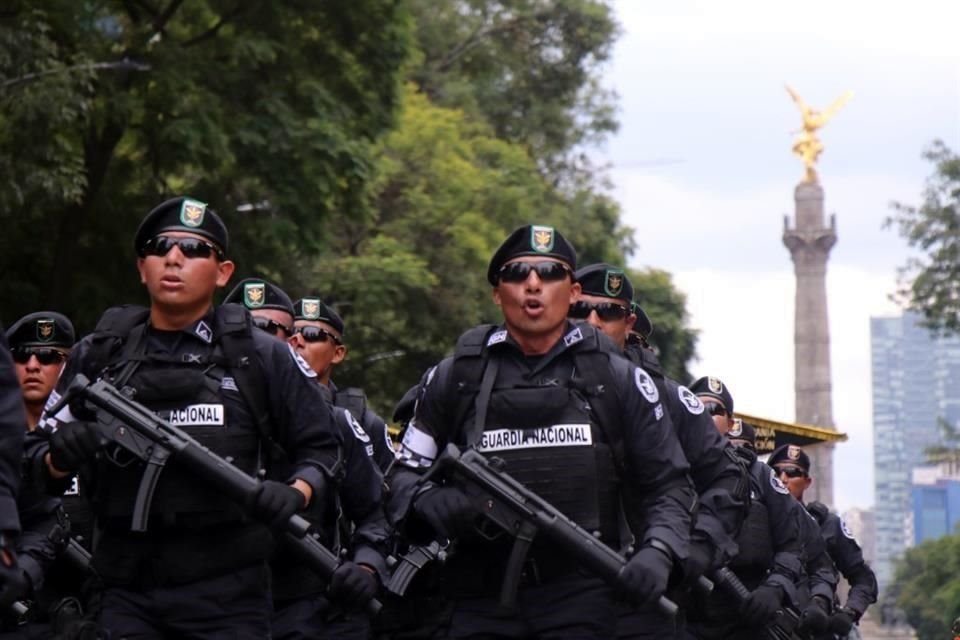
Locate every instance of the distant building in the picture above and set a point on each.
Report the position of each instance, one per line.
(936, 503)
(916, 383)
(861, 525)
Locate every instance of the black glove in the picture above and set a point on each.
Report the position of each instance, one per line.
(697, 562)
(763, 603)
(644, 577)
(353, 585)
(72, 444)
(13, 581)
(274, 502)
(447, 510)
(841, 622)
(815, 617)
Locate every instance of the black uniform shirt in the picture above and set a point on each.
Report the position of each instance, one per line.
(13, 425)
(655, 466)
(721, 482)
(848, 558)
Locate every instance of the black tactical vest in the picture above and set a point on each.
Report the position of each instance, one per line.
(543, 427)
(195, 390)
(756, 546)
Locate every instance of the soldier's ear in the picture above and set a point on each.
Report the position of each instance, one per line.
(575, 291)
(225, 272)
(143, 278)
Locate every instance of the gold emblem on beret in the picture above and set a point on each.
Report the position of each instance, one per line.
(613, 282)
(715, 385)
(254, 294)
(793, 452)
(191, 213)
(311, 308)
(541, 238)
(737, 429)
(45, 330)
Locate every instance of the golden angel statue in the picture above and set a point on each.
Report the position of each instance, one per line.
(807, 145)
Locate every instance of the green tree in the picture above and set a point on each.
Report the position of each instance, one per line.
(667, 308)
(928, 586)
(268, 110)
(930, 283)
(529, 67)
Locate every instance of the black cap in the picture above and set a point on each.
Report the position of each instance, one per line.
(790, 453)
(643, 324)
(713, 388)
(605, 280)
(257, 293)
(742, 431)
(42, 329)
(314, 308)
(182, 214)
(532, 240)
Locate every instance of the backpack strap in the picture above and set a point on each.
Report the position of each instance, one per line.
(593, 377)
(113, 334)
(234, 338)
(469, 364)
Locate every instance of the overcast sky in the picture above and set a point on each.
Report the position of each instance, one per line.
(703, 170)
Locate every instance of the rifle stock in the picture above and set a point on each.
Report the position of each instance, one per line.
(786, 621)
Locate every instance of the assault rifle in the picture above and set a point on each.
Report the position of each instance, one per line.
(154, 440)
(524, 514)
(786, 622)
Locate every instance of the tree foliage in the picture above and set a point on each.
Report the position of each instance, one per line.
(930, 283)
(270, 108)
(334, 177)
(928, 586)
(667, 309)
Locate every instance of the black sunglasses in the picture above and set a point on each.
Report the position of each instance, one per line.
(547, 271)
(271, 326)
(606, 311)
(715, 408)
(189, 247)
(791, 472)
(45, 356)
(316, 334)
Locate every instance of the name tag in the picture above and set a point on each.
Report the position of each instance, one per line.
(559, 435)
(197, 415)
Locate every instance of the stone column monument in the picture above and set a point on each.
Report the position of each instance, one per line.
(809, 241)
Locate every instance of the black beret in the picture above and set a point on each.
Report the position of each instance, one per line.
(742, 431)
(643, 325)
(605, 280)
(42, 329)
(182, 214)
(314, 308)
(790, 453)
(532, 240)
(713, 388)
(256, 293)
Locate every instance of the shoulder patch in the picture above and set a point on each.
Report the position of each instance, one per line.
(203, 332)
(357, 429)
(646, 385)
(846, 530)
(497, 337)
(573, 337)
(690, 400)
(777, 485)
(301, 363)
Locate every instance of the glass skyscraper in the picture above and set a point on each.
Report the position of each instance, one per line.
(916, 383)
